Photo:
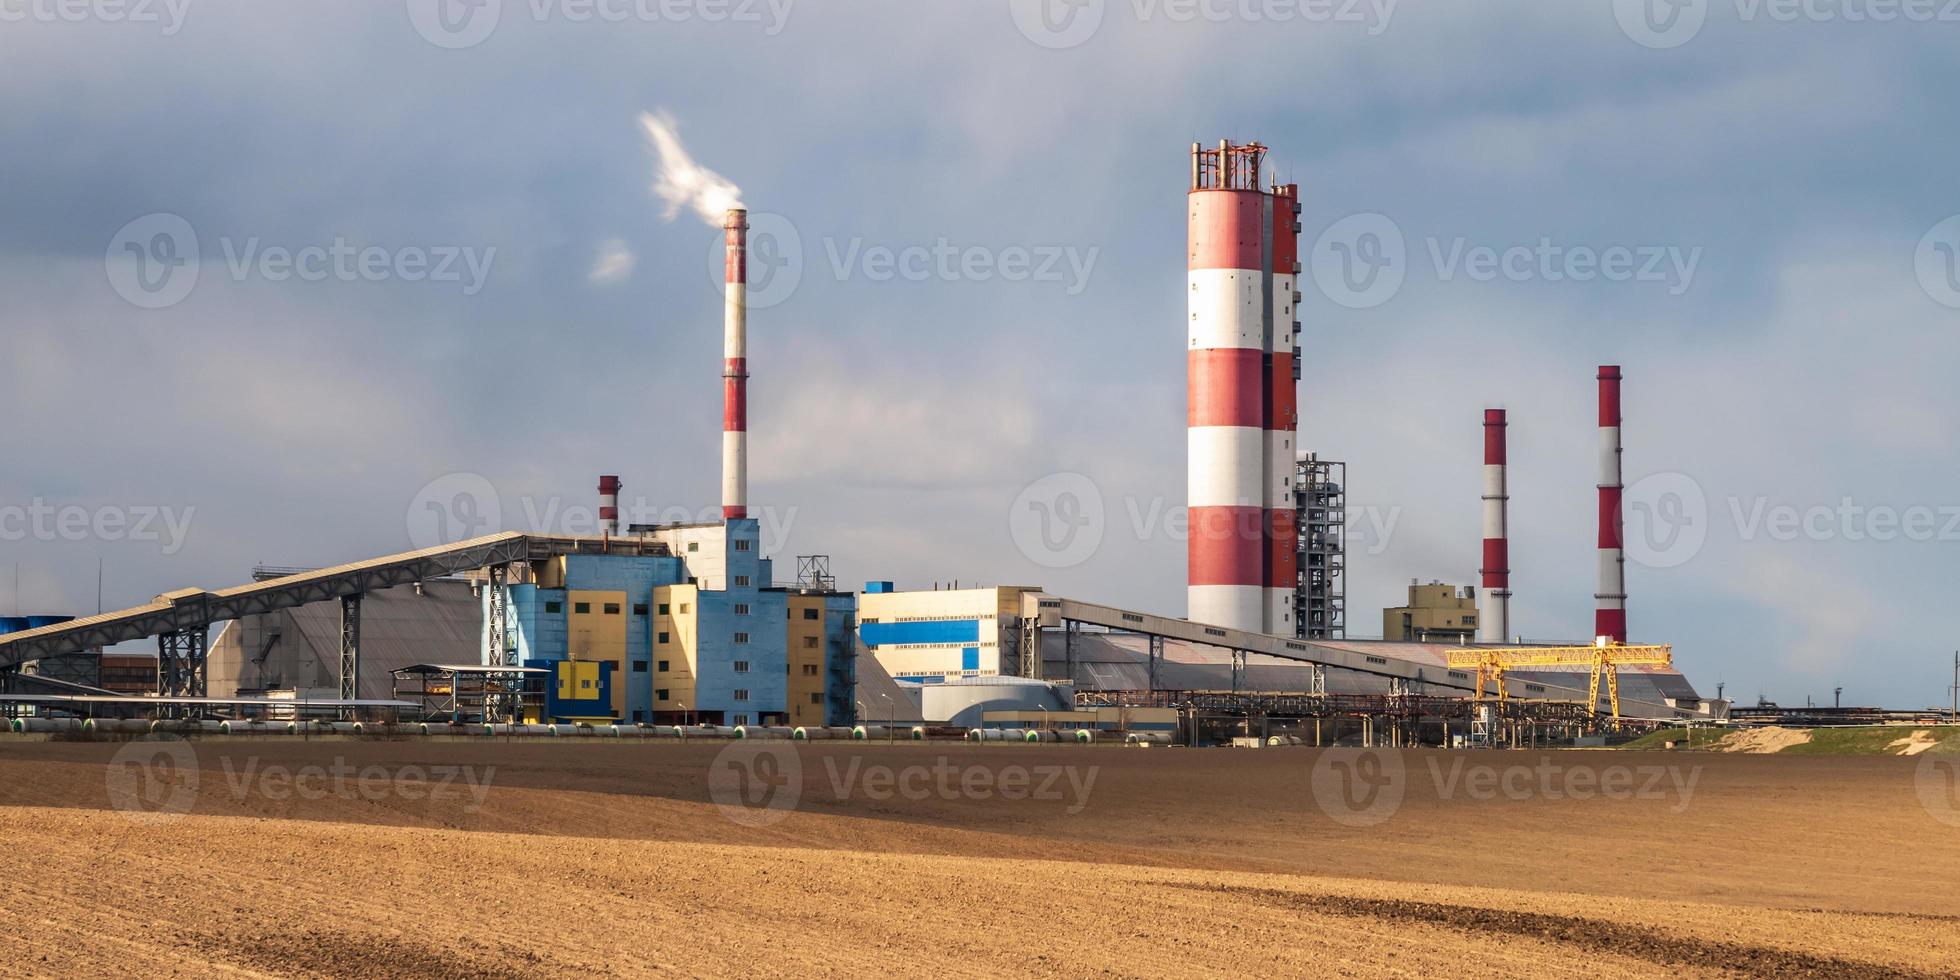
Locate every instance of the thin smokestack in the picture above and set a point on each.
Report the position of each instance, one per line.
(609, 505)
(1610, 618)
(1494, 616)
(735, 370)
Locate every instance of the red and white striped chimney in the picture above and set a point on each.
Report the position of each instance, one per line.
(1494, 607)
(1610, 618)
(609, 505)
(1229, 344)
(735, 370)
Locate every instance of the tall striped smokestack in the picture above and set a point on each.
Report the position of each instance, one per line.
(1229, 350)
(609, 505)
(1610, 619)
(1494, 614)
(735, 370)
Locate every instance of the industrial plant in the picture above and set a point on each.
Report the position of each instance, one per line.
(688, 630)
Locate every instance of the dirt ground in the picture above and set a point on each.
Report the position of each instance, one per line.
(271, 857)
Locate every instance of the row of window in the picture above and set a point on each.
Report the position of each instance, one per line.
(741, 667)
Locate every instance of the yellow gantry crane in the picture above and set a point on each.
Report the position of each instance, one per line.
(1604, 658)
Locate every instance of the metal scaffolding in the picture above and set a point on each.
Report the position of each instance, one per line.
(1320, 505)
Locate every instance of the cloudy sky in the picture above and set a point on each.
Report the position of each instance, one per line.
(974, 237)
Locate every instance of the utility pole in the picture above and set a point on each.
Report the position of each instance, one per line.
(1956, 688)
(1837, 698)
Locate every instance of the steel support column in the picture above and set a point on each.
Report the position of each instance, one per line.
(350, 648)
(1156, 658)
(180, 663)
(500, 653)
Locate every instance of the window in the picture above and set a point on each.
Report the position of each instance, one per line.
(741, 638)
(809, 670)
(585, 684)
(741, 666)
(662, 667)
(810, 614)
(816, 697)
(741, 581)
(612, 608)
(639, 666)
(741, 546)
(741, 609)
(660, 694)
(663, 639)
(554, 607)
(581, 607)
(809, 643)
(684, 608)
(741, 719)
(694, 546)
(639, 609)
(741, 694)
(663, 609)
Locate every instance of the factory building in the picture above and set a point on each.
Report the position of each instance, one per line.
(690, 629)
(297, 649)
(935, 636)
(1436, 613)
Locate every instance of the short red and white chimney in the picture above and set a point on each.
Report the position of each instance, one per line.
(735, 370)
(609, 506)
(1494, 604)
(1610, 617)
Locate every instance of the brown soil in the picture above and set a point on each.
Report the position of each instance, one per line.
(612, 859)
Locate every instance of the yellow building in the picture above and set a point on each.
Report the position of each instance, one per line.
(676, 648)
(1436, 613)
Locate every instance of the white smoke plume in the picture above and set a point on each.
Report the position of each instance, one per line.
(680, 182)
